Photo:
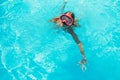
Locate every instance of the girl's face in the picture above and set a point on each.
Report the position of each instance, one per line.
(67, 19)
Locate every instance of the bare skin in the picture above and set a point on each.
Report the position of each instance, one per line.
(59, 22)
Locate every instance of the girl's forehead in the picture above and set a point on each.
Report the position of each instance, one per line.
(69, 13)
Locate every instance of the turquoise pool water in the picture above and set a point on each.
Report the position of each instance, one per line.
(30, 49)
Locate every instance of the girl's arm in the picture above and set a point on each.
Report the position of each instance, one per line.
(76, 39)
(62, 10)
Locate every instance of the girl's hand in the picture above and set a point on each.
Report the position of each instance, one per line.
(82, 63)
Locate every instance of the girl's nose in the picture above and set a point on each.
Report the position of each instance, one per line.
(64, 20)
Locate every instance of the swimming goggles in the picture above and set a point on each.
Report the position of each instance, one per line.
(67, 20)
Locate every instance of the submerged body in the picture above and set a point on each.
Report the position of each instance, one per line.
(67, 20)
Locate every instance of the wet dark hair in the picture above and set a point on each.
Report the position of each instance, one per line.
(73, 16)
